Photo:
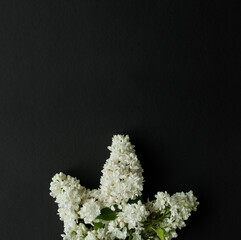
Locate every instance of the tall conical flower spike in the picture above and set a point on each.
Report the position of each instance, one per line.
(122, 173)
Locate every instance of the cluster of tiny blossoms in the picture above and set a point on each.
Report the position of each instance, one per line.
(116, 210)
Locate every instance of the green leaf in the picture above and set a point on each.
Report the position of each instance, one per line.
(107, 214)
(160, 233)
(98, 225)
(132, 201)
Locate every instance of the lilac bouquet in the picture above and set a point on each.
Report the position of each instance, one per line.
(116, 209)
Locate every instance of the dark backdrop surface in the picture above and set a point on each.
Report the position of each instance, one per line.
(73, 73)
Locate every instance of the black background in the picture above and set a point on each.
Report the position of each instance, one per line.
(73, 73)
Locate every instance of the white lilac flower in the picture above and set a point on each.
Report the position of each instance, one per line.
(90, 236)
(134, 215)
(101, 233)
(162, 201)
(117, 230)
(89, 211)
(69, 194)
(81, 209)
(179, 207)
(122, 173)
